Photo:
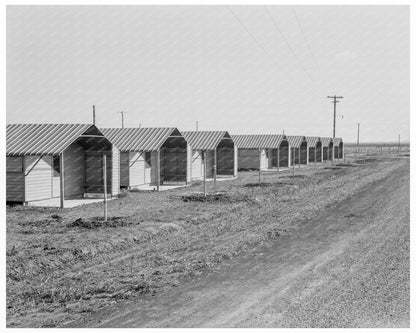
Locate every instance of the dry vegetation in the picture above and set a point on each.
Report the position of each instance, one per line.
(62, 264)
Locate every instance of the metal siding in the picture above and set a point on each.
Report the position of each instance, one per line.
(139, 139)
(204, 140)
(38, 182)
(257, 141)
(41, 139)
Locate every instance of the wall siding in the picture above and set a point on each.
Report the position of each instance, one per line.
(188, 163)
(115, 171)
(38, 181)
(137, 169)
(197, 167)
(235, 161)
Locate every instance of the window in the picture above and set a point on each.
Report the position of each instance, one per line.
(14, 164)
(148, 159)
(57, 164)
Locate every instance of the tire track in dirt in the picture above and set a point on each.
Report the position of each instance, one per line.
(315, 276)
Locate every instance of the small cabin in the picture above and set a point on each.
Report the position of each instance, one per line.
(151, 156)
(315, 149)
(264, 151)
(339, 148)
(215, 149)
(299, 150)
(327, 146)
(65, 161)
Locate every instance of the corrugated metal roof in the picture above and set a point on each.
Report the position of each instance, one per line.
(295, 140)
(41, 139)
(203, 140)
(312, 140)
(138, 139)
(258, 141)
(337, 141)
(325, 141)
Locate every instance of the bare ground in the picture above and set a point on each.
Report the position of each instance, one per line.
(61, 273)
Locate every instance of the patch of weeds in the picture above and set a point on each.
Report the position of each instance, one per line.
(352, 215)
(346, 165)
(294, 177)
(258, 185)
(11, 252)
(98, 222)
(333, 168)
(218, 197)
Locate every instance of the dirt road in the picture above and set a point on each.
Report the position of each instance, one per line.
(349, 267)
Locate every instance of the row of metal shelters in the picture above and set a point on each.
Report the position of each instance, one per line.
(66, 161)
(270, 151)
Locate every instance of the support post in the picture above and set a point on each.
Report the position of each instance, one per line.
(215, 169)
(205, 172)
(105, 185)
(299, 157)
(62, 179)
(293, 162)
(399, 145)
(278, 158)
(158, 170)
(259, 166)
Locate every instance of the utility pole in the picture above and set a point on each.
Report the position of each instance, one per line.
(93, 114)
(358, 139)
(399, 144)
(122, 118)
(335, 116)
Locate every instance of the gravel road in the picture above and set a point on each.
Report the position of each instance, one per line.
(349, 267)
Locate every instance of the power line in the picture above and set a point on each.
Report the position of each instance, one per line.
(251, 35)
(286, 42)
(305, 39)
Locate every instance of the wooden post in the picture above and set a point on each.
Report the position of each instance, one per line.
(205, 172)
(293, 162)
(105, 185)
(158, 170)
(215, 169)
(299, 157)
(62, 179)
(259, 166)
(278, 159)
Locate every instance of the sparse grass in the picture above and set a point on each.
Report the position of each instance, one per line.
(63, 263)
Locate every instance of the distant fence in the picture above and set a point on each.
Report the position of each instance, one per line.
(376, 149)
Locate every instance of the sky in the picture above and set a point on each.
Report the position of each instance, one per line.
(244, 69)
